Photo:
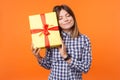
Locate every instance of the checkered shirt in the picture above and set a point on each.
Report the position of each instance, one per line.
(80, 50)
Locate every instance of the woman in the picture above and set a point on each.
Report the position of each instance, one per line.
(70, 60)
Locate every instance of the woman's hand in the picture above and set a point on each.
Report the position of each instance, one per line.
(36, 52)
(62, 50)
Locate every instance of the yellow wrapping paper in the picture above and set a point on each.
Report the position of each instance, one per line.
(44, 29)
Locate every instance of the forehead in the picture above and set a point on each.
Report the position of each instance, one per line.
(63, 12)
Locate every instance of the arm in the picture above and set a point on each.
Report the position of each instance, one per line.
(44, 62)
(47, 60)
(84, 63)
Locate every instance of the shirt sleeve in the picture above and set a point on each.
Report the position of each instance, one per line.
(46, 61)
(83, 64)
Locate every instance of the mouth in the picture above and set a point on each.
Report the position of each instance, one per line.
(67, 23)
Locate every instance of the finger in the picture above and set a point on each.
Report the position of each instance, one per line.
(32, 47)
(62, 45)
(61, 41)
(38, 50)
(34, 50)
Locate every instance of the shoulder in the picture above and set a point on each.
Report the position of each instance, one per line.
(83, 37)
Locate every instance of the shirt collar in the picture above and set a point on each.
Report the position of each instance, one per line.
(65, 34)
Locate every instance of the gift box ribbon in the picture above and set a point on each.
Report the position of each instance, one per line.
(45, 30)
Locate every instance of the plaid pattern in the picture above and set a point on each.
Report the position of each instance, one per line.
(80, 50)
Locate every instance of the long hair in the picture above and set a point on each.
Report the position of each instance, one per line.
(74, 30)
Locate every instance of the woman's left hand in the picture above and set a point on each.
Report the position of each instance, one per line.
(62, 50)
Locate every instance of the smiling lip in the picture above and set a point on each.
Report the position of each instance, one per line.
(66, 23)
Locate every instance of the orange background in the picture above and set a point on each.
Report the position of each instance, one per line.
(99, 19)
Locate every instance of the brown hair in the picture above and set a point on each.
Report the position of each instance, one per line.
(74, 31)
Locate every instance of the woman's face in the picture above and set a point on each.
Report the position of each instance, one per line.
(66, 21)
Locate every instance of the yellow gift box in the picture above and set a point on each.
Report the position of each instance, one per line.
(44, 30)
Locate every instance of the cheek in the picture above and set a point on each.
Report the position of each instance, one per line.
(60, 22)
(72, 20)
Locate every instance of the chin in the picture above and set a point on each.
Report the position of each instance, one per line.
(67, 28)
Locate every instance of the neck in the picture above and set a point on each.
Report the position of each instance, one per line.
(67, 31)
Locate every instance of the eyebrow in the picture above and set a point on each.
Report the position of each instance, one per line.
(65, 14)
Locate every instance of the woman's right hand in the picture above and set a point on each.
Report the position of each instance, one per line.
(36, 51)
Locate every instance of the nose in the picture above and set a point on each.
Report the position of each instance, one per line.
(65, 19)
